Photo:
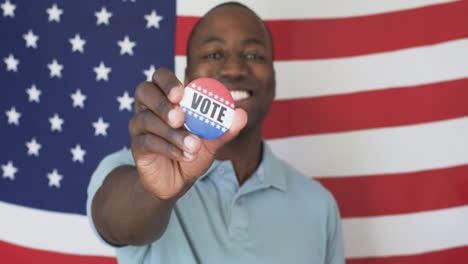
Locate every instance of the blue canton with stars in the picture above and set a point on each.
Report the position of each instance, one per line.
(67, 76)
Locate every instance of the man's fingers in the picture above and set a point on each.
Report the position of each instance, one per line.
(150, 144)
(169, 84)
(148, 96)
(147, 122)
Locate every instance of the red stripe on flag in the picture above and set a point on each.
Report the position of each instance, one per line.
(399, 193)
(364, 110)
(14, 254)
(340, 37)
(447, 256)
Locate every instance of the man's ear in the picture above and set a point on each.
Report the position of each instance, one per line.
(274, 83)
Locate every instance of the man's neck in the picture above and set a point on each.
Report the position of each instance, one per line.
(245, 153)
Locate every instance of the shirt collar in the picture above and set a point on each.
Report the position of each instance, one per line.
(270, 172)
(273, 172)
(211, 169)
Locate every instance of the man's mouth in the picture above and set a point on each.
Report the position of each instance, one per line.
(238, 95)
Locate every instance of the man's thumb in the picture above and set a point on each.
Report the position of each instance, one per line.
(238, 123)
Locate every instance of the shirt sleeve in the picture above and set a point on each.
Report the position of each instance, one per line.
(335, 248)
(109, 163)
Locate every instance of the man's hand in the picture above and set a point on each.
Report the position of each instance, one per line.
(169, 158)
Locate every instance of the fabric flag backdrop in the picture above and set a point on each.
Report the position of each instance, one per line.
(372, 101)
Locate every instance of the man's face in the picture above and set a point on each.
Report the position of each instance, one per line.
(232, 45)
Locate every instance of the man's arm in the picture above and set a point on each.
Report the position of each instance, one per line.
(125, 213)
(134, 203)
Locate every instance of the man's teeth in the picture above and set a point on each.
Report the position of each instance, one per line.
(239, 95)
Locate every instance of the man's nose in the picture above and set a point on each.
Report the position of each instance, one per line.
(234, 67)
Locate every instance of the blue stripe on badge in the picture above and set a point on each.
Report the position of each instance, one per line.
(202, 126)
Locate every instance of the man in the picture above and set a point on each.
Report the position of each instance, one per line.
(179, 199)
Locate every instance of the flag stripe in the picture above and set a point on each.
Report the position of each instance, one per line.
(379, 236)
(297, 9)
(362, 35)
(405, 234)
(374, 195)
(372, 109)
(14, 254)
(452, 255)
(378, 151)
(54, 231)
(404, 68)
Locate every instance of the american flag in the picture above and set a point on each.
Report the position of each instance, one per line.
(372, 101)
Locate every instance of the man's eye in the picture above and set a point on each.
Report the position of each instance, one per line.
(213, 56)
(254, 56)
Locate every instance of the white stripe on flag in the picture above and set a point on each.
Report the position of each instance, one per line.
(406, 234)
(377, 151)
(407, 67)
(53, 231)
(298, 9)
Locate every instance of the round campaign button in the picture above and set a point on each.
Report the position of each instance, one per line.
(209, 108)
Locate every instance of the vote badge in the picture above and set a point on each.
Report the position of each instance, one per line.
(209, 108)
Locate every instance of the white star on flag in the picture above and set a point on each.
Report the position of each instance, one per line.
(102, 72)
(103, 16)
(78, 98)
(100, 127)
(33, 94)
(78, 153)
(11, 63)
(13, 116)
(56, 123)
(54, 13)
(149, 73)
(31, 39)
(54, 178)
(153, 19)
(55, 69)
(9, 170)
(33, 147)
(126, 46)
(8, 9)
(125, 102)
(77, 43)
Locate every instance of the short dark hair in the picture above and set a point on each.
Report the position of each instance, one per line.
(230, 3)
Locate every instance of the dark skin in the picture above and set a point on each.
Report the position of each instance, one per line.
(134, 204)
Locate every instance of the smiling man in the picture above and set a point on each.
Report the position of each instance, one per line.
(175, 198)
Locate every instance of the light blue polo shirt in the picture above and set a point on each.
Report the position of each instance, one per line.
(277, 216)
